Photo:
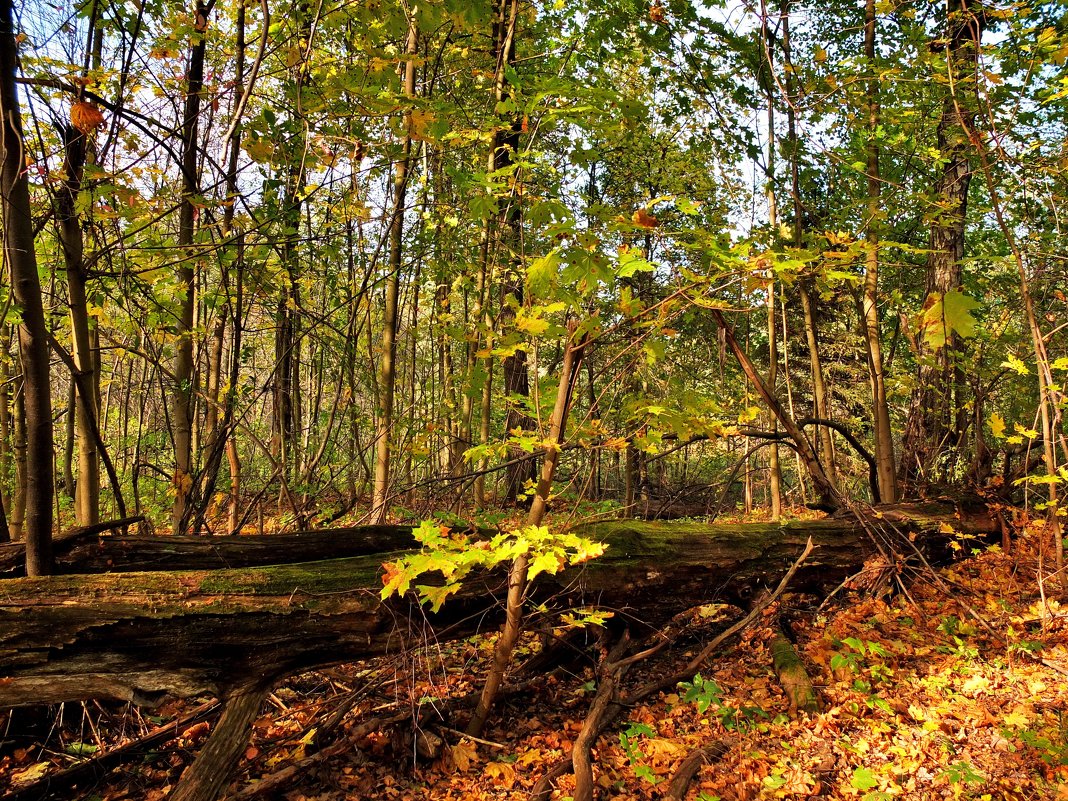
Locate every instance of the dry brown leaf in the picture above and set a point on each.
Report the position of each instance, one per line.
(85, 117)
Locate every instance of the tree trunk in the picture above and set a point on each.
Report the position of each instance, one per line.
(184, 392)
(509, 241)
(517, 574)
(774, 469)
(929, 430)
(819, 384)
(86, 413)
(220, 429)
(884, 441)
(825, 490)
(21, 260)
(388, 367)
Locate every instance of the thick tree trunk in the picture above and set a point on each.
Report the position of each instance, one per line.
(931, 419)
(142, 636)
(21, 261)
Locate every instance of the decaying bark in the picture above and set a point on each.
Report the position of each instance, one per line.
(793, 676)
(83, 551)
(142, 636)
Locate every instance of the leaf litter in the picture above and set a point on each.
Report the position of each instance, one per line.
(958, 695)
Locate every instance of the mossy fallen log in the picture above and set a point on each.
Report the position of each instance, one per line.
(84, 550)
(144, 635)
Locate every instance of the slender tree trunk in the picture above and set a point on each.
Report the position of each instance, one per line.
(183, 410)
(68, 439)
(790, 397)
(7, 434)
(593, 491)
(388, 368)
(21, 261)
(517, 575)
(17, 523)
(825, 490)
(819, 385)
(287, 370)
(1050, 391)
(86, 413)
(774, 471)
(220, 427)
(506, 145)
(884, 441)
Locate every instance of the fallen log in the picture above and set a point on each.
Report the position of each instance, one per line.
(82, 550)
(143, 636)
(13, 554)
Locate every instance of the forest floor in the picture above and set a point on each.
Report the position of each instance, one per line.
(955, 689)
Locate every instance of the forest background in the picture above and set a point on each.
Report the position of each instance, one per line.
(284, 264)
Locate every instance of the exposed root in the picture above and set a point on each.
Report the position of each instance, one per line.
(792, 675)
(687, 769)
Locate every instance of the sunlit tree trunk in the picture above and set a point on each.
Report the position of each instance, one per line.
(387, 370)
(183, 408)
(819, 384)
(774, 471)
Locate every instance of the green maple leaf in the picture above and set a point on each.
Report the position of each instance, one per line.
(946, 314)
(864, 779)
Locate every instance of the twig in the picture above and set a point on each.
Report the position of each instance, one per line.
(472, 737)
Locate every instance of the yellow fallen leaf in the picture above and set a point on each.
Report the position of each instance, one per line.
(31, 774)
(463, 754)
(501, 773)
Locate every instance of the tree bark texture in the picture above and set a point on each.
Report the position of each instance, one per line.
(388, 365)
(184, 393)
(21, 261)
(143, 636)
(86, 413)
(931, 417)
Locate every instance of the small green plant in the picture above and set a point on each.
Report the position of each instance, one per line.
(962, 772)
(960, 649)
(709, 696)
(704, 692)
(629, 740)
(454, 556)
(858, 657)
(1052, 753)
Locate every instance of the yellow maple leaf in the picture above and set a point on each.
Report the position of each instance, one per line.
(501, 773)
(997, 426)
(531, 757)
